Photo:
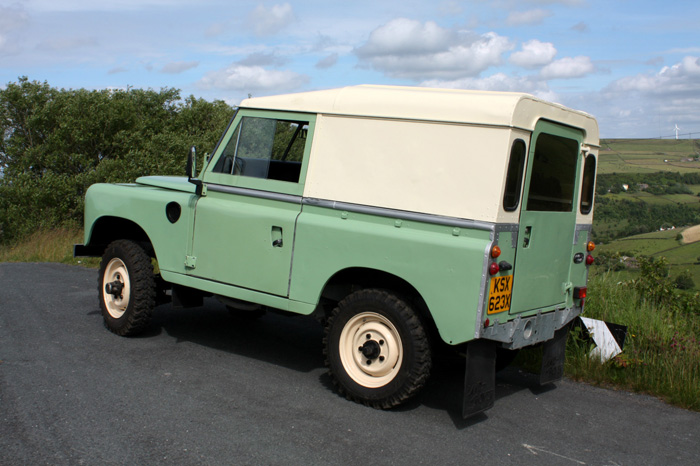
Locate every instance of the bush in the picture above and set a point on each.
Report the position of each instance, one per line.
(56, 143)
(684, 281)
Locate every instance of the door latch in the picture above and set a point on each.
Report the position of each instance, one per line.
(276, 234)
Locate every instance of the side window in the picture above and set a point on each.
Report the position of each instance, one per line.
(514, 177)
(265, 148)
(553, 174)
(588, 185)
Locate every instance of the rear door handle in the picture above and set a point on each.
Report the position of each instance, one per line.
(526, 237)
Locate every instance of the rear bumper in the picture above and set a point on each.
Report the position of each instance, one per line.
(527, 331)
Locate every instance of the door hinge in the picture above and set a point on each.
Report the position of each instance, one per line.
(190, 262)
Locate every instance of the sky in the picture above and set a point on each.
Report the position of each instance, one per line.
(633, 64)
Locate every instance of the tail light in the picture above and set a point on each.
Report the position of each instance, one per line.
(495, 251)
(590, 246)
(589, 259)
(493, 268)
(580, 292)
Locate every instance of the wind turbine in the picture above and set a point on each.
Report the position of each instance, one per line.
(677, 129)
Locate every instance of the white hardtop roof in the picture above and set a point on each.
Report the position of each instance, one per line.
(510, 109)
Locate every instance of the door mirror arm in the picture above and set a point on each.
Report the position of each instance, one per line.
(191, 171)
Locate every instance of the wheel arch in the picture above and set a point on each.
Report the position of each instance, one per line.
(351, 279)
(108, 228)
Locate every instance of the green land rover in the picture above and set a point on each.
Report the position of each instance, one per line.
(404, 219)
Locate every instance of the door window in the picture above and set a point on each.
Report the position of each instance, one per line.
(553, 176)
(514, 178)
(588, 185)
(265, 148)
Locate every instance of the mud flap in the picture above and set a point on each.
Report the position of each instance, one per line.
(553, 355)
(480, 377)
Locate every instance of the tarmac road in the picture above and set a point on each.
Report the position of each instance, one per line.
(203, 388)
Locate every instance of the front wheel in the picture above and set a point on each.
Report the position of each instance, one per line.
(127, 288)
(376, 349)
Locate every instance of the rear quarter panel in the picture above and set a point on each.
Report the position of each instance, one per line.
(443, 263)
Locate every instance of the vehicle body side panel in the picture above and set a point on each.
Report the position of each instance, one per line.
(443, 263)
(145, 206)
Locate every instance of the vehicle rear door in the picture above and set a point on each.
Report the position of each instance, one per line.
(548, 219)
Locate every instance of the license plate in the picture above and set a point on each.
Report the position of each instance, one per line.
(500, 292)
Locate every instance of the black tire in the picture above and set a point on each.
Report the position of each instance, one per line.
(127, 288)
(376, 349)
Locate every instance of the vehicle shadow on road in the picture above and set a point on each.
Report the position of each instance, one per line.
(445, 389)
(291, 342)
(297, 343)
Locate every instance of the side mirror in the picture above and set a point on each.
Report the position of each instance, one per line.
(191, 168)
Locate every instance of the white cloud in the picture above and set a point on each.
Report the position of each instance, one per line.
(253, 79)
(499, 82)
(567, 68)
(681, 78)
(327, 62)
(105, 5)
(177, 67)
(404, 36)
(58, 44)
(406, 48)
(534, 54)
(262, 59)
(649, 104)
(450, 7)
(12, 18)
(530, 17)
(555, 2)
(267, 21)
(215, 29)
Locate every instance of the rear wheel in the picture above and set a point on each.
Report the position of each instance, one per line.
(127, 288)
(376, 349)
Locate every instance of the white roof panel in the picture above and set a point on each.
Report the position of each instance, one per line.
(510, 109)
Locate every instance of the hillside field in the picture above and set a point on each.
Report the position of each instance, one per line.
(680, 255)
(648, 155)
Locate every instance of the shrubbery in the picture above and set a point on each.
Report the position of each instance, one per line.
(56, 143)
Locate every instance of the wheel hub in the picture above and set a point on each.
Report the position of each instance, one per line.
(370, 349)
(114, 288)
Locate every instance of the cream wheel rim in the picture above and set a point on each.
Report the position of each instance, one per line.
(116, 276)
(370, 349)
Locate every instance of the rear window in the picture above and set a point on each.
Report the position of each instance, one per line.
(514, 178)
(588, 185)
(553, 174)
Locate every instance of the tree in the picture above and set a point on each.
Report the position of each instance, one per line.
(56, 143)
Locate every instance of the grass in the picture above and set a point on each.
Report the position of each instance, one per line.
(661, 356)
(48, 246)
